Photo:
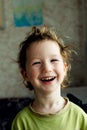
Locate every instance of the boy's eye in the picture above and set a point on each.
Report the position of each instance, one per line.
(36, 63)
(54, 60)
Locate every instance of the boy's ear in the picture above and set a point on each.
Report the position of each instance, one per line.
(66, 68)
(24, 74)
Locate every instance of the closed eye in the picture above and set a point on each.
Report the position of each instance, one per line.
(54, 60)
(35, 63)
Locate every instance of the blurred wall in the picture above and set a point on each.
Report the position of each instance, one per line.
(68, 17)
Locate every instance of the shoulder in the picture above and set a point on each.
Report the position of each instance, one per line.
(77, 111)
(20, 118)
(74, 108)
(21, 115)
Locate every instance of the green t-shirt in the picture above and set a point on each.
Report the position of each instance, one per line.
(71, 117)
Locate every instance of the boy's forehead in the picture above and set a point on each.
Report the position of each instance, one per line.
(38, 49)
(44, 42)
(43, 46)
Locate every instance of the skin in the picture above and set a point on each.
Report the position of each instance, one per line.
(45, 70)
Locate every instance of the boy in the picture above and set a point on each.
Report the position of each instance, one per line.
(44, 62)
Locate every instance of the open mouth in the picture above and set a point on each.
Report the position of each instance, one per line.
(48, 79)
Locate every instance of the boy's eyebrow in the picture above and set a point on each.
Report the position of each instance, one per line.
(37, 58)
(56, 55)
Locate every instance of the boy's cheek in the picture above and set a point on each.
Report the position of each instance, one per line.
(33, 74)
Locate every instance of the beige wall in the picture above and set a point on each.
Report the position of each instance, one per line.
(66, 17)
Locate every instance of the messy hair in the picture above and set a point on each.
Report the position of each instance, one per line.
(38, 34)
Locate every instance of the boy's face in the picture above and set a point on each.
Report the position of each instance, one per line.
(45, 68)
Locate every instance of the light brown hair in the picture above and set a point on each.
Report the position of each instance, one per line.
(38, 34)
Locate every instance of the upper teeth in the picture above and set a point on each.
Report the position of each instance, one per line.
(47, 78)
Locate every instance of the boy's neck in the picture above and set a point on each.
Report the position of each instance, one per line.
(48, 103)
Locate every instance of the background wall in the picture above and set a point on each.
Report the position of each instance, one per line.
(68, 17)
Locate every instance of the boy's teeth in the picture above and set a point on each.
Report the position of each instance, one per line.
(46, 78)
(50, 78)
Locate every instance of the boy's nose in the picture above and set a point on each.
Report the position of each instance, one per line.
(46, 67)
